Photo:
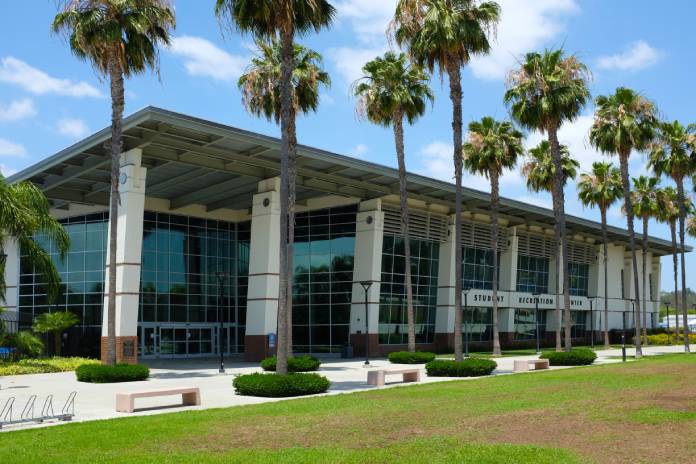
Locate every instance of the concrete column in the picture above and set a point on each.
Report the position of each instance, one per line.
(128, 255)
(11, 301)
(444, 315)
(508, 282)
(367, 266)
(264, 268)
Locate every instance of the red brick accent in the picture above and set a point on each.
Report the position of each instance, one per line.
(444, 342)
(256, 348)
(131, 344)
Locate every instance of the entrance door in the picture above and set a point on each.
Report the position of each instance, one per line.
(176, 341)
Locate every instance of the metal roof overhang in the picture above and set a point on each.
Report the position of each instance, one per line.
(195, 161)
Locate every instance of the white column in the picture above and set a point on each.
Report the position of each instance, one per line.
(508, 282)
(264, 268)
(444, 315)
(367, 266)
(128, 256)
(11, 301)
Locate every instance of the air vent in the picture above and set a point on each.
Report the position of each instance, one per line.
(478, 235)
(536, 245)
(422, 225)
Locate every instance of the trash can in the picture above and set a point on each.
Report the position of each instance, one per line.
(347, 351)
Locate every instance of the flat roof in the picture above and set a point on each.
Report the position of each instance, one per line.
(196, 161)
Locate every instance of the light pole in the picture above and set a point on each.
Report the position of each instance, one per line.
(623, 338)
(222, 276)
(466, 323)
(536, 320)
(591, 325)
(668, 334)
(366, 284)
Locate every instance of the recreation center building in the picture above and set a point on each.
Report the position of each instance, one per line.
(198, 239)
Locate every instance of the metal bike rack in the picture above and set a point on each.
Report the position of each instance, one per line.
(27, 415)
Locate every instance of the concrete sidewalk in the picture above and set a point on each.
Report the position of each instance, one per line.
(97, 401)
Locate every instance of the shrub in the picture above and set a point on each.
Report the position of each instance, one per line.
(405, 357)
(42, 366)
(662, 339)
(574, 357)
(470, 367)
(102, 373)
(295, 364)
(26, 343)
(279, 386)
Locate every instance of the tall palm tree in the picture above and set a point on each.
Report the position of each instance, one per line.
(625, 121)
(540, 171)
(120, 38)
(285, 19)
(645, 206)
(25, 214)
(392, 90)
(447, 34)
(601, 188)
(547, 90)
(674, 153)
(260, 88)
(492, 147)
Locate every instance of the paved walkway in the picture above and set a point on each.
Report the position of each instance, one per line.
(97, 401)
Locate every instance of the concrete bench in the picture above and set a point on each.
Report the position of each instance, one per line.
(377, 376)
(522, 365)
(189, 396)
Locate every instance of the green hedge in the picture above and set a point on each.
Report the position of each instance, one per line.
(280, 386)
(295, 364)
(662, 339)
(405, 357)
(102, 373)
(470, 367)
(574, 357)
(41, 366)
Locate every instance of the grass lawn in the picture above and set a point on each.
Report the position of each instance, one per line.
(643, 411)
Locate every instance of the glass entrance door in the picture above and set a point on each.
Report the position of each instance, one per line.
(177, 341)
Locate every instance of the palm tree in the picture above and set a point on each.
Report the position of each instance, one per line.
(119, 38)
(393, 89)
(260, 88)
(268, 19)
(547, 90)
(674, 153)
(55, 323)
(492, 146)
(668, 212)
(601, 188)
(448, 33)
(645, 206)
(24, 215)
(625, 121)
(540, 171)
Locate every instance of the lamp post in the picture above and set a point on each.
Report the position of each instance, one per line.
(466, 323)
(536, 320)
(668, 334)
(221, 276)
(366, 284)
(591, 325)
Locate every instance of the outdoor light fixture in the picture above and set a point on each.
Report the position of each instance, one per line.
(536, 319)
(591, 325)
(222, 276)
(465, 291)
(668, 334)
(366, 284)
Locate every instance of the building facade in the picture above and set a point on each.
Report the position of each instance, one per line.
(198, 243)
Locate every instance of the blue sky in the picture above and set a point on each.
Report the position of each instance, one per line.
(49, 99)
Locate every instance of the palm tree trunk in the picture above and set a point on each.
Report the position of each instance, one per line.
(682, 220)
(117, 105)
(495, 200)
(675, 260)
(403, 194)
(286, 38)
(454, 75)
(646, 220)
(557, 270)
(560, 200)
(292, 178)
(628, 205)
(603, 212)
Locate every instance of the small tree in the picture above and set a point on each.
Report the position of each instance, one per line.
(55, 323)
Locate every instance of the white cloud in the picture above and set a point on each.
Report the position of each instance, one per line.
(524, 26)
(359, 151)
(8, 148)
(349, 61)
(326, 99)
(540, 200)
(7, 171)
(35, 81)
(368, 18)
(17, 109)
(204, 58)
(72, 127)
(639, 55)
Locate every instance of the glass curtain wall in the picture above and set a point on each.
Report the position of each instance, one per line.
(393, 326)
(579, 275)
(477, 268)
(525, 325)
(479, 322)
(323, 279)
(532, 274)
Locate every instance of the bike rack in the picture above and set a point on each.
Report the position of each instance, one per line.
(27, 415)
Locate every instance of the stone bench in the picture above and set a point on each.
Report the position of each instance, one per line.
(189, 397)
(522, 365)
(377, 376)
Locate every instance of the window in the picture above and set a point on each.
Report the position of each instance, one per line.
(477, 268)
(478, 322)
(392, 301)
(650, 286)
(532, 274)
(579, 278)
(623, 292)
(580, 324)
(525, 324)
